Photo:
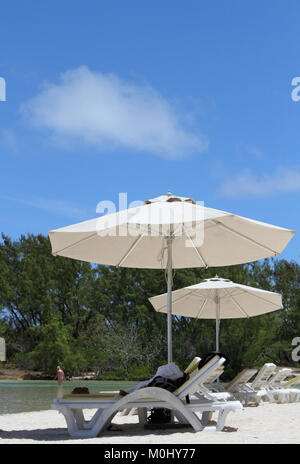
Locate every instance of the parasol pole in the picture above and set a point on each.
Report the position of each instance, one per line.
(217, 322)
(169, 319)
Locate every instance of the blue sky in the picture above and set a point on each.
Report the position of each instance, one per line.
(140, 97)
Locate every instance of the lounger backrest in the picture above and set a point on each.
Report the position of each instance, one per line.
(263, 376)
(280, 376)
(214, 376)
(192, 366)
(293, 381)
(240, 380)
(192, 384)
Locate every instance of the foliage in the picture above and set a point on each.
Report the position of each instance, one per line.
(55, 310)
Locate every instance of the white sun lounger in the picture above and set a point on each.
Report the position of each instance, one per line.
(72, 406)
(190, 370)
(294, 393)
(254, 391)
(238, 383)
(208, 390)
(192, 366)
(274, 387)
(209, 383)
(238, 388)
(286, 393)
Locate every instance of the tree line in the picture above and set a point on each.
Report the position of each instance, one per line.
(86, 317)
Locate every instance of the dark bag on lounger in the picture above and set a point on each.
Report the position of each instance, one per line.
(163, 415)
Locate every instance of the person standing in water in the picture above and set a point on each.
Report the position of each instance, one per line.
(60, 375)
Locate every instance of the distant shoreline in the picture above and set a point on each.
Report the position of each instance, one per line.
(21, 374)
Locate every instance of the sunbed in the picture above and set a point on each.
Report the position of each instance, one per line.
(287, 393)
(184, 406)
(190, 370)
(208, 388)
(274, 386)
(239, 382)
(236, 385)
(245, 391)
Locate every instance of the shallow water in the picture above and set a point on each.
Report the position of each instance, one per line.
(37, 395)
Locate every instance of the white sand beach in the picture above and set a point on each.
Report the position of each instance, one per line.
(267, 423)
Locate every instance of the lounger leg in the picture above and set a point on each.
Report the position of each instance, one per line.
(281, 397)
(94, 419)
(270, 396)
(288, 397)
(223, 413)
(79, 418)
(291, 396)
(247, 398)
(70, 420)
(206, 417)
(142, 413)
(180, 417)
(258, 398)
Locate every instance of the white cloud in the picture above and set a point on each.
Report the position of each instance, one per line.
(59, 207)
(248, 184)
(104, 110)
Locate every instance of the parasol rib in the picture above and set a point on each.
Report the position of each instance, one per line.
(135, 243)
(244, 237)
(262, 298)
(74, 244)
(196, 249)
(203, 306)
(236, 303)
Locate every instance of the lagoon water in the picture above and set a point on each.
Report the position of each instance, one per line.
(37, 395)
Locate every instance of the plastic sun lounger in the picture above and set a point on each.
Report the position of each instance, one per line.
(209, 383)
(294, 393)
(235, 385)
(238, 383)
(263, 375)
(288, 394)
(207, 389)
(72, 406)
(274, 390)
(190, 370)
(255, 390)
(210, 391)
(192, 366)
(244, 391)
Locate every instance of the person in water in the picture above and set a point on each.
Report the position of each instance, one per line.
(60, 375)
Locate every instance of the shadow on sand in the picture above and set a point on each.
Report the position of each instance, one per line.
(117, 430)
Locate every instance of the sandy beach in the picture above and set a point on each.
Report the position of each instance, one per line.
(267, 423)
